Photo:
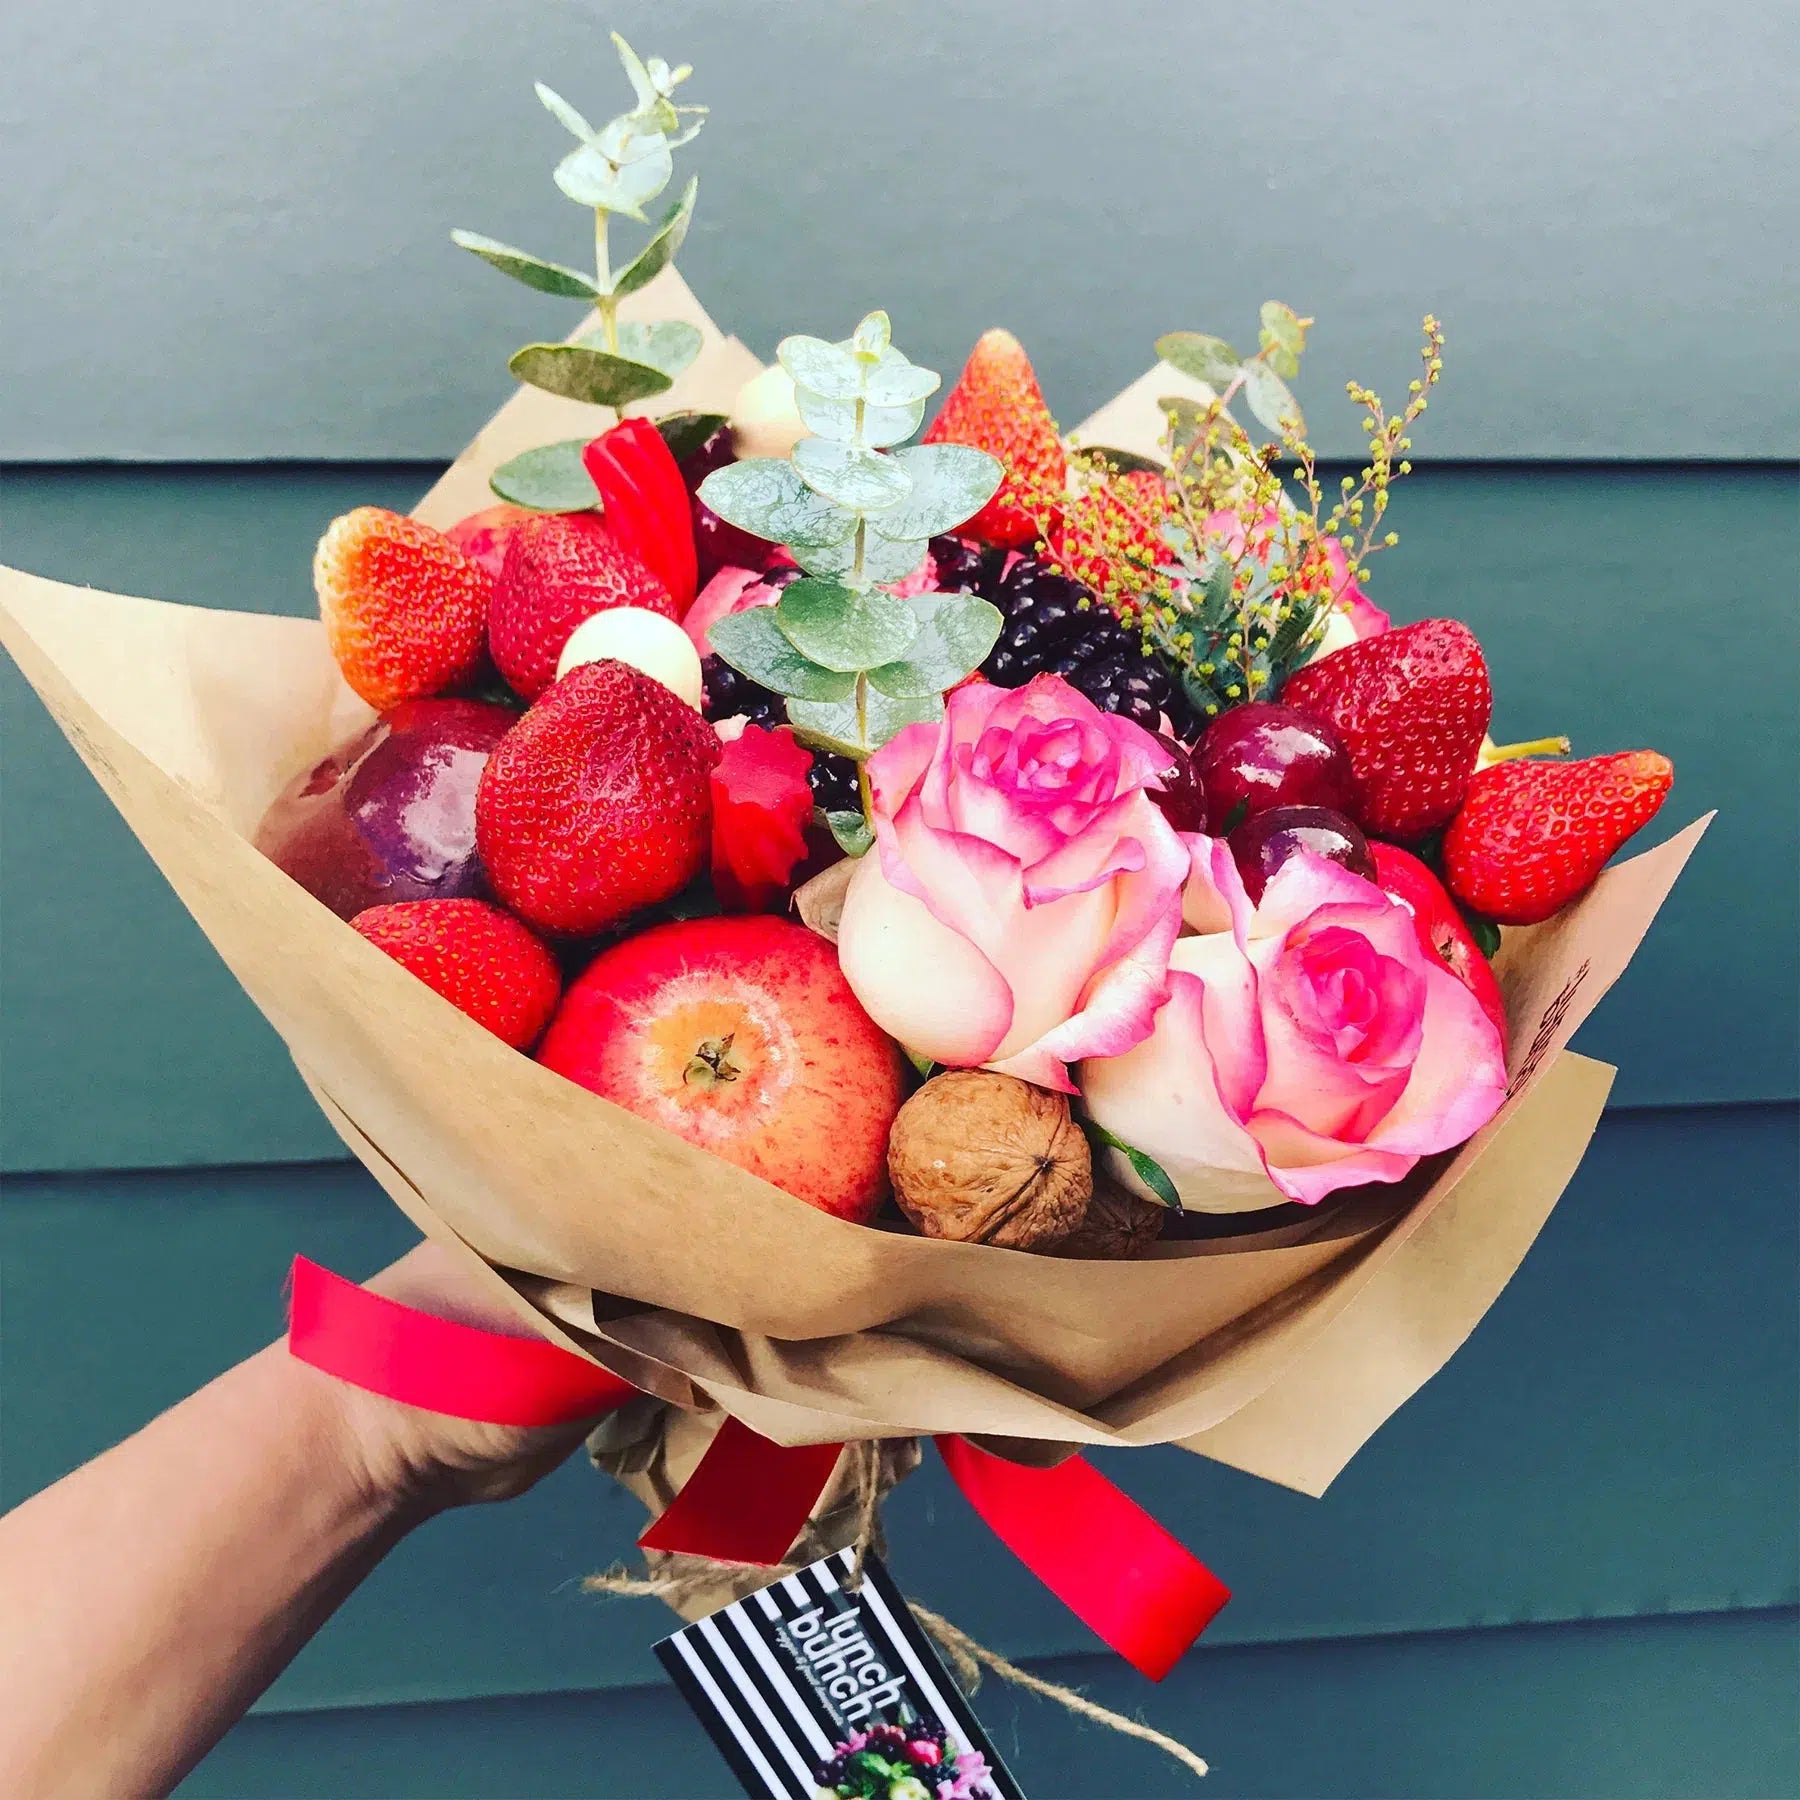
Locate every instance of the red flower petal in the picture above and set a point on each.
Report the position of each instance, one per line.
(761, 805)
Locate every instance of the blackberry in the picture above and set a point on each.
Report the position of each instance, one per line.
(833, 781)
(1054, 625)
(725, 694)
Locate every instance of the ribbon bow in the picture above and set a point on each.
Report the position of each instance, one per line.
(1136, 1586)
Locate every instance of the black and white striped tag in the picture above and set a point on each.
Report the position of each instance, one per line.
(811, 1689)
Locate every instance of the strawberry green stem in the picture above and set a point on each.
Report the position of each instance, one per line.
(1550, 746)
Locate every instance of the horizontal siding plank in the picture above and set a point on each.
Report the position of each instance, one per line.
(1633, 1710)
(1596, 199)
(1618, 1437)
(123, 1042)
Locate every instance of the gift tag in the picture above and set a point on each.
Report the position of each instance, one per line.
(813, 1690)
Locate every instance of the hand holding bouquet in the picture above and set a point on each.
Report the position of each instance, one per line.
(1050, 832)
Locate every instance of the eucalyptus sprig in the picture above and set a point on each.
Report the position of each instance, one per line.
(855, 662)
(615, 170)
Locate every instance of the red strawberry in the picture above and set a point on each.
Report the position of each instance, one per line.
(645, 502)
(1440, 927)
(997, 406)
(405, 610)
(596, 802)
(1533, 835)
(482, 960)
(1412, 708)
(560, 568)
(1112, 534)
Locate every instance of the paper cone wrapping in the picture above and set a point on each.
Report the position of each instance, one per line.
(1279, 1352)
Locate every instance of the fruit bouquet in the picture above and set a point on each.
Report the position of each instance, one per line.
(996, 935)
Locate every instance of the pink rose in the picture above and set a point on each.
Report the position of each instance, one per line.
(1308, 1044)
(1354, 615)
(1019, 905)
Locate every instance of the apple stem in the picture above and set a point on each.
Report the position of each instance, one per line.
(1550, 746)
(709, 1064)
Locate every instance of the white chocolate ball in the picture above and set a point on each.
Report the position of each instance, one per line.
(646, 640)
(765, 421)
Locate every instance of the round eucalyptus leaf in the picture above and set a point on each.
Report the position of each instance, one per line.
(1207, 359)
(956, 632)
(766, 497)
(551, 478)
(950, 483)
(686, 432)
(836, 419)
(660, 251)
(870, 340)
(831, 725)
(753, 645)
(521, 265)
(896, 382)
(842, 627)
(884, 558)
(1268, 396)
(578, 372)
(828, 370)
(866, 481)
(666, 344)
(588, 177)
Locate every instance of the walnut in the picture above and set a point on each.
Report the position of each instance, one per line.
(1116, 1226)
(989, 1159)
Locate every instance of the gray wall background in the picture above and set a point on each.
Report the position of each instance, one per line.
(226, 225)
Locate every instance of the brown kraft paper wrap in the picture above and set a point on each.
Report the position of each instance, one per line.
(1278, 1352)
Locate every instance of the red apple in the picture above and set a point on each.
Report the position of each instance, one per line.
(1441, 927)
(484, 535)
(742, 1036)
(390, 815)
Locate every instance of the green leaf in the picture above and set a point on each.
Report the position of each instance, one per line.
(894, 381)
(685, 432)
(851, 830)
(521, 265)
(926, 1067)
(1267, 395)
(828, 370)
(950, 483)
(1207, 359)
(665, 344)
(870, 340)
(1150, 1172)
(564, 114)
(753, 644)
(577, 372)
(551, 478)
(884, 558)
(956, 632)
(1283, 337)
(660, 251)
(1484, 931)
(865, 481)
(1127, 462)
(843, 628)
(832, 725)
(836, 419)
(765, 496)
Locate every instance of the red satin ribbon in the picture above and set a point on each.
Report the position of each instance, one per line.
(376, 1343)
(1094, 1547)
(1096, 1550)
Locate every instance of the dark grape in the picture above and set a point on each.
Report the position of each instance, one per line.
(1260, 755)
(1262, 844)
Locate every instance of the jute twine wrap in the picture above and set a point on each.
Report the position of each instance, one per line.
(865, 1473)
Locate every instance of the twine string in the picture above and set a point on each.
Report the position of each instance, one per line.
(678, 1578)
